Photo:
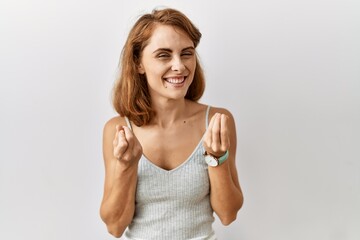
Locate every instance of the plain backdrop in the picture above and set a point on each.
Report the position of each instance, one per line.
(289, 71)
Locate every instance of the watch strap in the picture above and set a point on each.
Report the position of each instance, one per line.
(223, 157)
(219, 160)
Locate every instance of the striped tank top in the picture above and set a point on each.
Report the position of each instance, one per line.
(174, 204)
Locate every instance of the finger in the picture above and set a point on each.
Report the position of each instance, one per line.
(122, 144)
(134, 149)
(215, 134)
(129, 136)
(211, 124)
(122, 138)
(207, 137)
(135, 144)
(224, 133)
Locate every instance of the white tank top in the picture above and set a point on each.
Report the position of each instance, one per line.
(174, 204)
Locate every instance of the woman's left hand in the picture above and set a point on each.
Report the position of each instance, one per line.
(217, 140)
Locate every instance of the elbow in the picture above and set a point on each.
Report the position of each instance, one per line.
(241, 201)
(231, 216)
(115, 231)
(227, 220)
(114, 226)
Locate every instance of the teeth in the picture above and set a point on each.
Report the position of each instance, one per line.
(175, 80)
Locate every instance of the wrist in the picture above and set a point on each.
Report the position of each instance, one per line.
(126, 166)
(214, 161)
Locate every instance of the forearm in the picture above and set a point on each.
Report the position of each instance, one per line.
(226, 198)
(117, 208)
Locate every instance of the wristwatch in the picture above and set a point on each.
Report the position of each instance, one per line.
(214, 161)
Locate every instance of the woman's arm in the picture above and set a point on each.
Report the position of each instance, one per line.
(225, 195)
(121, 152)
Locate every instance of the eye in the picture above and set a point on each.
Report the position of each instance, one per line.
(163, 55)
(187, 54)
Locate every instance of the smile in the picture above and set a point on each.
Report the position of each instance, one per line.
(175, 80)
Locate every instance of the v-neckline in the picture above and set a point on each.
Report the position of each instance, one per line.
(188, 159)
(181, 164)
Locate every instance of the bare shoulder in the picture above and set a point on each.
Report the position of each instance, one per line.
(225, 111)
(110, 125)
(195, 107)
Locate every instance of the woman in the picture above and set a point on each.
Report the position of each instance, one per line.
(169, 160)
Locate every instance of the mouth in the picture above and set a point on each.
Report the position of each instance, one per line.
(176, 81)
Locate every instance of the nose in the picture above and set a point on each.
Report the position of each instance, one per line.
(177, 65)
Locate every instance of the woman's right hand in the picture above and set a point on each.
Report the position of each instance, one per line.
(127, 148)
(121, 151)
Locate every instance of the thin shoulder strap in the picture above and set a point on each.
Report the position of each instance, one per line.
(128, 122)
(207, 117)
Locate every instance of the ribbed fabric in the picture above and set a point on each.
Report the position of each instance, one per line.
(175, 204)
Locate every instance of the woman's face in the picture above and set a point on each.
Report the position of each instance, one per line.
(169, 63)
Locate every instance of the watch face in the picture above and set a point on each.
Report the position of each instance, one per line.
(211, 161)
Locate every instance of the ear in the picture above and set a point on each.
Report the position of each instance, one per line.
(141, 69)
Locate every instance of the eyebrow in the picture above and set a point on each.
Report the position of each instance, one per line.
(169, 50)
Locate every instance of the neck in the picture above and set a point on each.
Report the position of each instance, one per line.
(168, 112)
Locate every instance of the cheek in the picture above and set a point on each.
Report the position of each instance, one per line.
(192, 68)
(191, 65)
(155, 68)
(154, 75)
(153, 71)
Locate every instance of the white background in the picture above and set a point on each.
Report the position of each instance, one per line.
(289, 71)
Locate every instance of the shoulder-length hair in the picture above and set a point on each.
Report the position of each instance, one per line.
(131, 96)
